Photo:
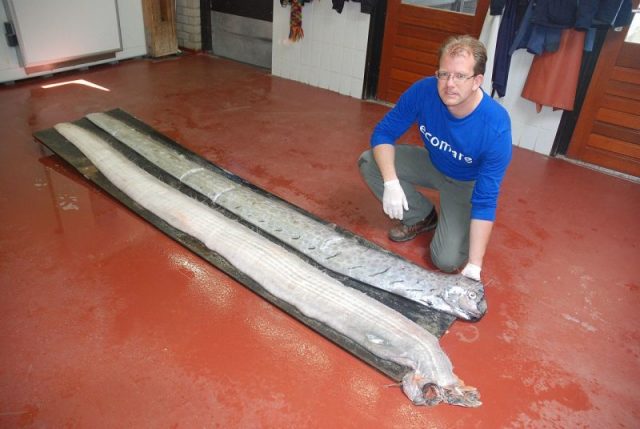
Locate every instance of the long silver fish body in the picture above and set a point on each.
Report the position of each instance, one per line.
(379, 329)
(452, 294)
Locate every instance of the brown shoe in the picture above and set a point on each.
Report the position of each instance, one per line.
(404, 232)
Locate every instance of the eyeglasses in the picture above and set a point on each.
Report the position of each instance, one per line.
(457, 77)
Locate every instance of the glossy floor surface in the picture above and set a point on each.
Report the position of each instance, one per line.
(106, 322)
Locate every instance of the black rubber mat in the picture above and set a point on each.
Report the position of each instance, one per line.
(432, 320)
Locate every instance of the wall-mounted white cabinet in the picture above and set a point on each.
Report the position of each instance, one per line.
(67, 34)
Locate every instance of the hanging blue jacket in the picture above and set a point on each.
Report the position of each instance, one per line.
(366, 6)
(616, 13)
(555, 13)
(513, 16)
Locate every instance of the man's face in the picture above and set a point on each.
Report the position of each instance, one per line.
(457, 94)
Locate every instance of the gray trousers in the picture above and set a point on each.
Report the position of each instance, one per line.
(450, 244)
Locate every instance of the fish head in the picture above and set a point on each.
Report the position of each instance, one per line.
(466, 298)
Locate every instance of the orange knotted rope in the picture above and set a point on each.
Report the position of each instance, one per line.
(295, 22)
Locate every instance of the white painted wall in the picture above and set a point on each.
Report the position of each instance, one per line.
(131, 30)
(530, 130)
(332, 56)
(333, 52)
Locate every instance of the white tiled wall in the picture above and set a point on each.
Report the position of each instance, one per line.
(188, 24)
(332, 53)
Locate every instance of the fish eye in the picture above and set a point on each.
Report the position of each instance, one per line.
(472, 295)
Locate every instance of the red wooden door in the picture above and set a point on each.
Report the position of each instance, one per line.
(412, 35)
(608, 129)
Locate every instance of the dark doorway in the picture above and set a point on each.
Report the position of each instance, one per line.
(242, 30)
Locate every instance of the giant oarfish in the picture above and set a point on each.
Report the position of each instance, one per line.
(374, 326)
(452, 294)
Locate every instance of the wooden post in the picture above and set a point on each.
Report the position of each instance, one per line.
(160, 27)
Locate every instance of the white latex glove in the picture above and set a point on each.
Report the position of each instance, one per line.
(394, 200)
(472, 271)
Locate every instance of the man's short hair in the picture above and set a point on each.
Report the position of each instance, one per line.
(457, 45)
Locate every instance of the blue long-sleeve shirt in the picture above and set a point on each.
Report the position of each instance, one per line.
(476, 147)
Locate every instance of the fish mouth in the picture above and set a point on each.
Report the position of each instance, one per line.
(473, 314)
(482, 309)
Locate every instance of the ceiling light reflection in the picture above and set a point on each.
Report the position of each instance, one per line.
(77, 82)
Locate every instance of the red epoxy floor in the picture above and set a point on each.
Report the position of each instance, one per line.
(106, 322)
